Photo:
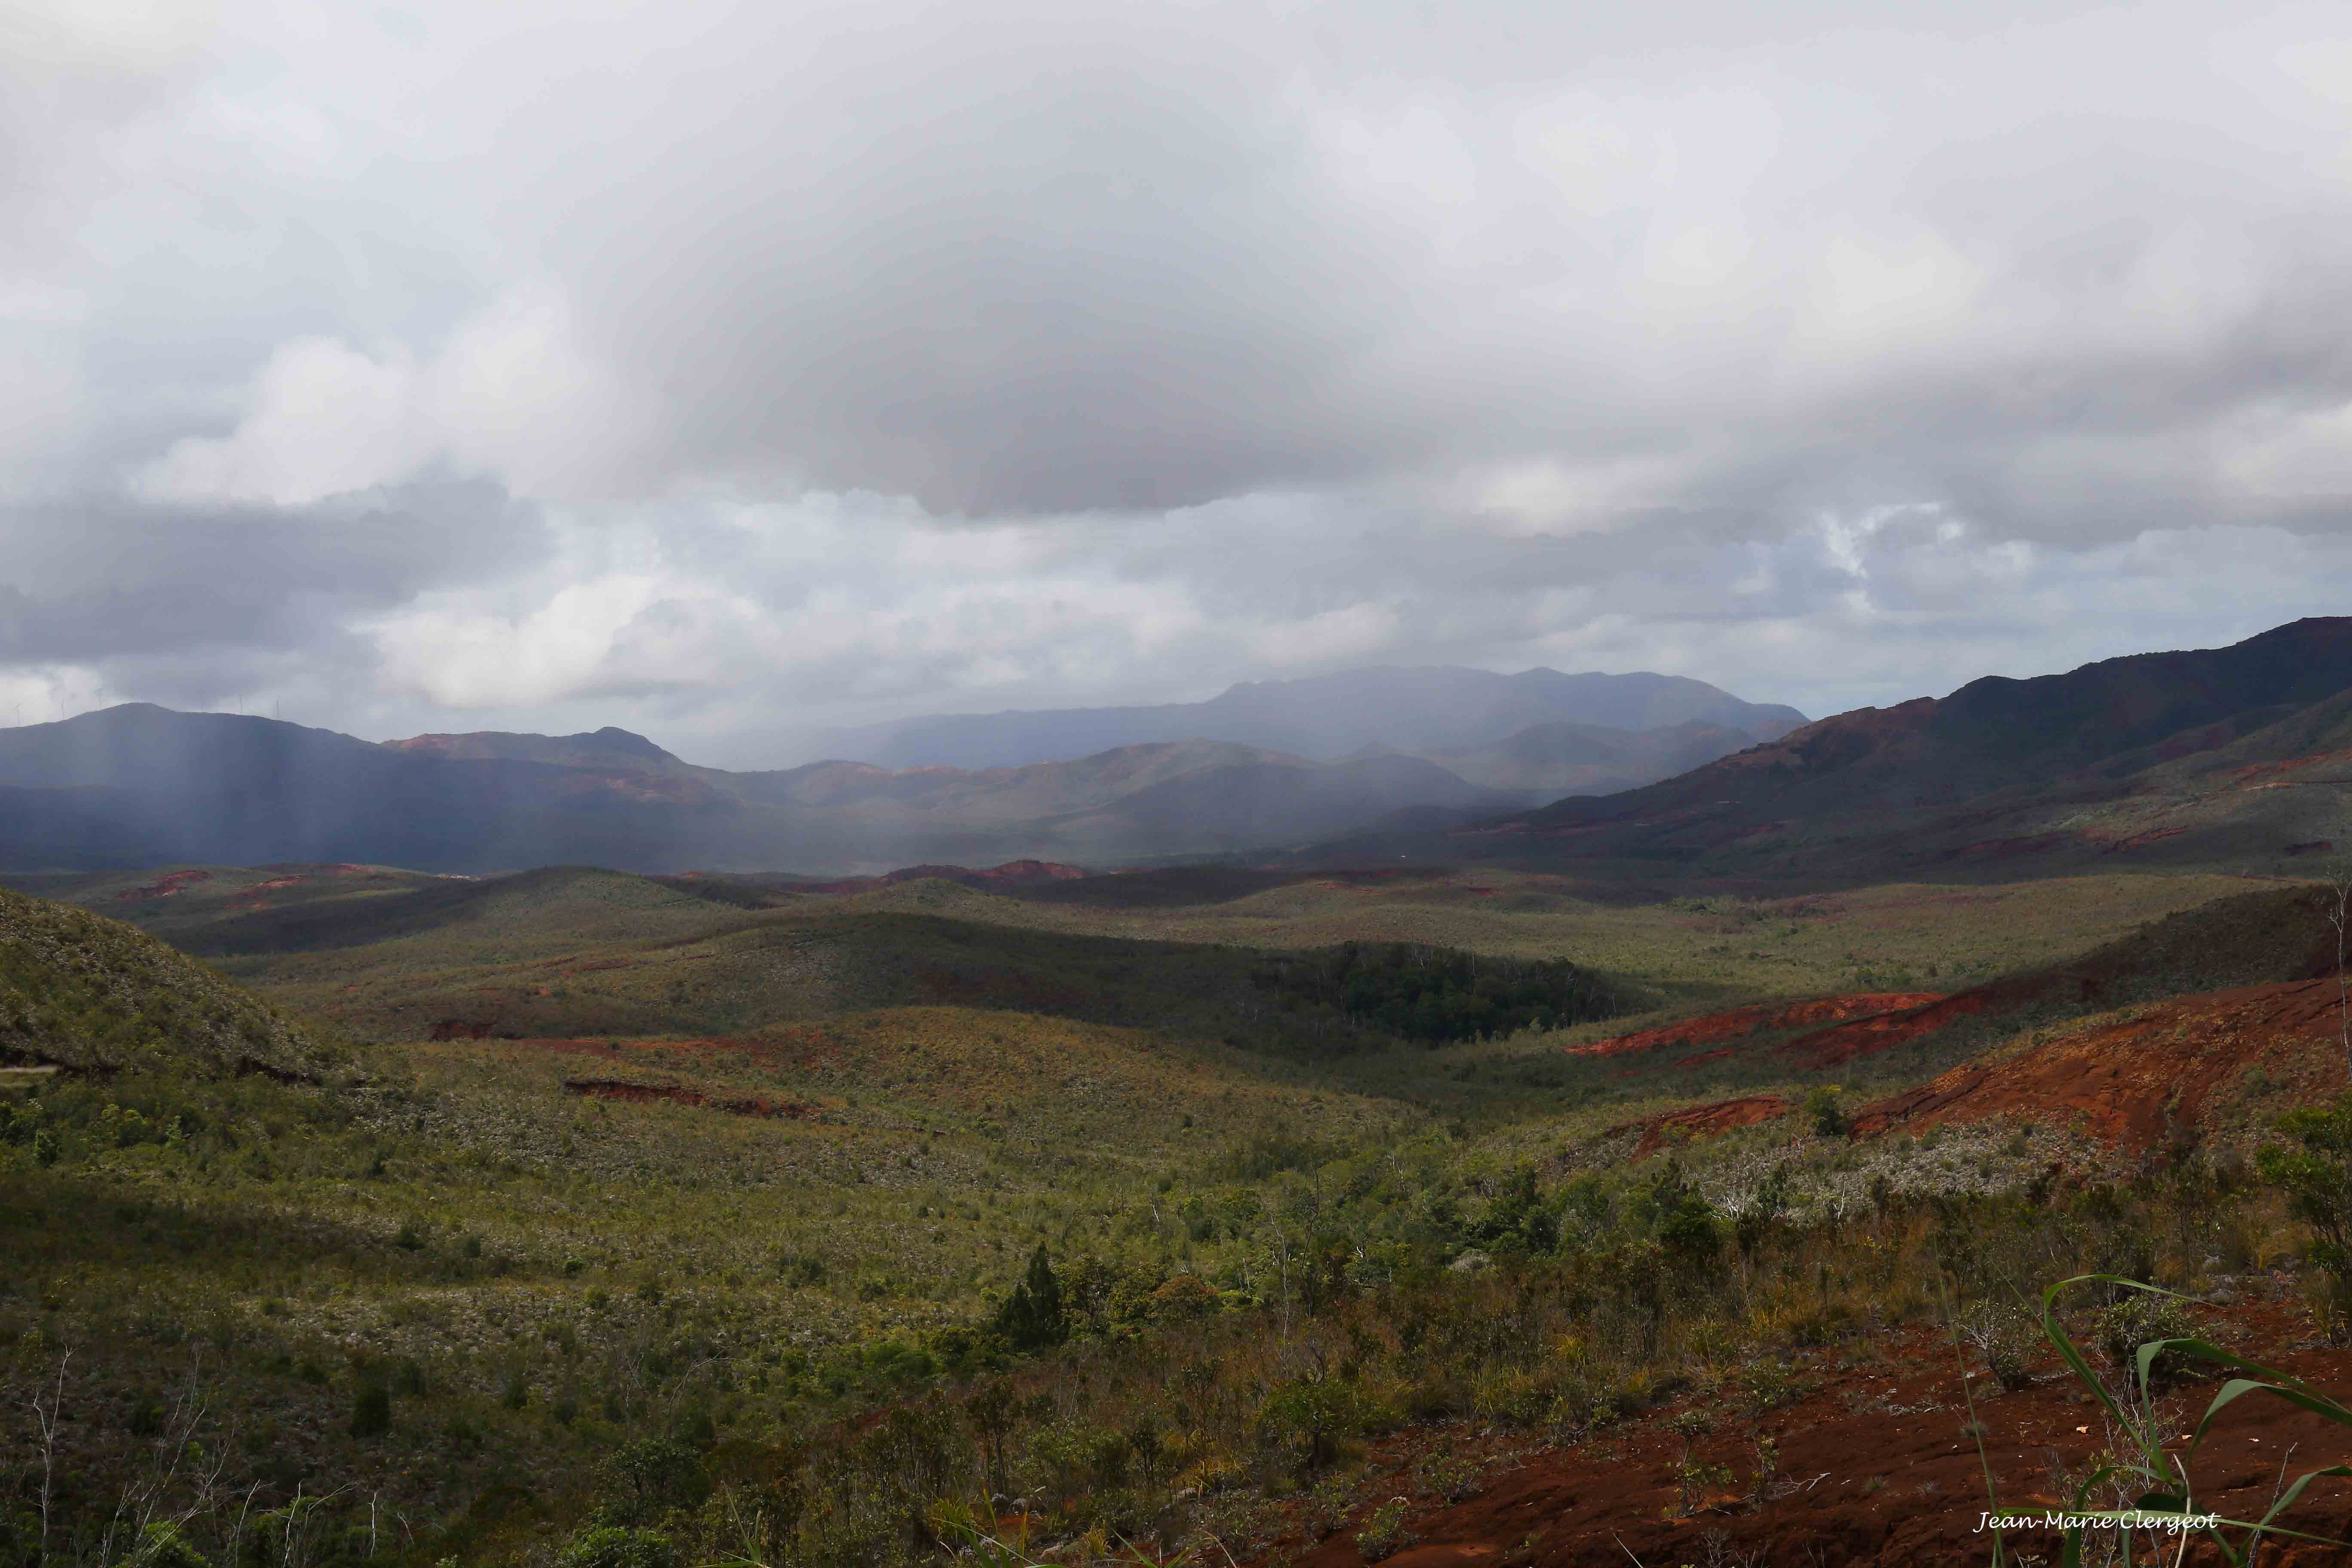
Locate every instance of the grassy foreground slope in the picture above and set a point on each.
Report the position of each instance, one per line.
(457, 1276)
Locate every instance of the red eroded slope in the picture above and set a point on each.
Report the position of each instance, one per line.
(1761, 1018)
(164, 887)
(2137, 1080)
(1703, 1121)
(1863, 1037)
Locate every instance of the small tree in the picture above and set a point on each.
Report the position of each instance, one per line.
(991, 1408)
(372, 1410)
(1033, 1316)
(652, 1474)
(1687, 1225)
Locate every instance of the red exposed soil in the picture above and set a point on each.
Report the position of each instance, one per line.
(1863, 1037)
(647, 1093)
(1702, 1121)
(164, 887)
(1874, 1467)
(2009, 849)
(2142, 1081)
(805, 1047)
(2255, 771)
(1763, 1018)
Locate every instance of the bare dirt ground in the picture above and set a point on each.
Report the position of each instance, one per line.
(1875, 1464)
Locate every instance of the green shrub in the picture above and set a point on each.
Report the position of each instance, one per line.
(1446, 1476)
(1384, 1531)
(611, 1546)
(1315, 1417)
(2121, 1329)
(2315, 1176)
(654, 1474)
(2007, 1337)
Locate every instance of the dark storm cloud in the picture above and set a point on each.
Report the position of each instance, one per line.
(98, 579)
(901, 355)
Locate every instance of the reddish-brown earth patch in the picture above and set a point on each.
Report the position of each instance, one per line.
(164, 887)
(805, 1047)
(1863, 1037)
(2254, 772)
(1763, 1018)
(1875, 1467)
(2140, 1082)
(1702, 1121)
(677, 1094)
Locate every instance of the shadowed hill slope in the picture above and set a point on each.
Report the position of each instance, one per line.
(567, 906)
(141, 785)
(1996, 732)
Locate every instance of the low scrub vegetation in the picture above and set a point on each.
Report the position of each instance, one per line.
(897, 1285)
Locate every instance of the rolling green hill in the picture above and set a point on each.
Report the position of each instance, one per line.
(83, 992)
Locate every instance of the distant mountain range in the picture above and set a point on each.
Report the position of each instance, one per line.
(141, 785)
(2237, 757)
(1421, 710)
(2231, 758)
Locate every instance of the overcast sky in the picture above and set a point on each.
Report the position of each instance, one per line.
(728, 371)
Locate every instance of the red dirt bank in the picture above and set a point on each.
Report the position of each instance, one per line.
(2143, 1079)
(1764, 1018)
